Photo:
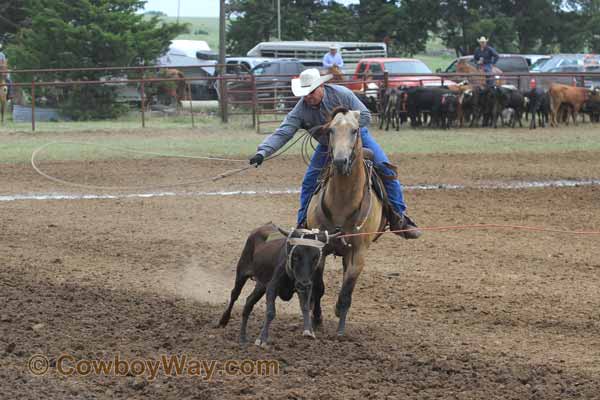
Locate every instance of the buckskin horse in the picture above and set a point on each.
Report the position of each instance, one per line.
(347, 203)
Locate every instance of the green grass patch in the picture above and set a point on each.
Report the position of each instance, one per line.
(238, 139)
(435, 62)
(201, 28)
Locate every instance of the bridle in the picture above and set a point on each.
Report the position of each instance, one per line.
(354, 146)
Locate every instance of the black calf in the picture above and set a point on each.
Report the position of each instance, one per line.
(280, 268)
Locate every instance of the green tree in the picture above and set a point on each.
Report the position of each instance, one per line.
(334, 21)
(251, 22)
(12, 18)
(254, 21)
(89, 33)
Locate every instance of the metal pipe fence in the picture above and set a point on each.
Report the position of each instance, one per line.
(266, 97)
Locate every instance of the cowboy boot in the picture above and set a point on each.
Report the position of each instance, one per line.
(402, 223)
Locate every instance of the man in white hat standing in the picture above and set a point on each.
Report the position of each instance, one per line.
(332, 58)
(486, 57)
(317, 102)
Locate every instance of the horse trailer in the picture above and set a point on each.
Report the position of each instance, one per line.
(351, 52)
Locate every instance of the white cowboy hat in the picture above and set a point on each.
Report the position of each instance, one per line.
(309, 80)
(482, 39)
(333, 47)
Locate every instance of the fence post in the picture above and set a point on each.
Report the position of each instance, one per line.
(386, 79)
(143, 102)
(189, 89)
(32, 105)
(254, 105)
(223, 91)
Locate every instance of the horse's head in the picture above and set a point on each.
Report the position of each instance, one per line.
(344, 139)
(304, 251)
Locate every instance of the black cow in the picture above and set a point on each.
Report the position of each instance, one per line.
(482, 105)
(592, 105)
(369, 101)
(428, 99)
(538, 106)
(283, 268)
(446, 111)
(507, 97)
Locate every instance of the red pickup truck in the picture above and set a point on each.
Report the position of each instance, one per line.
(373, 69)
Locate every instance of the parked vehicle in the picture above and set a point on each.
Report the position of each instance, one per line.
(574, 63)
(243, 65)
(509, 63)
(538, 64)
(532, 59)
(351, 52)
(506, 62)
(273, 82)
(374, 68)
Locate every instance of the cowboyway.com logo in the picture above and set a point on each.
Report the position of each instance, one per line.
(169, 365)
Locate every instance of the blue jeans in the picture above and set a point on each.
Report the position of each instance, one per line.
(320, 159)
(489, 78)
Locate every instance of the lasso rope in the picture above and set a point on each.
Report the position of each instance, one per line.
(148, 187)
(477, 226)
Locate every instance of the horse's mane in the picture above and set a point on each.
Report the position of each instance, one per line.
(338, 110)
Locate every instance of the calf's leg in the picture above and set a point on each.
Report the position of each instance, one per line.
(240, 281)
(251, 300)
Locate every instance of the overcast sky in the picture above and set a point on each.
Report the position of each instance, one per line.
(195, 8)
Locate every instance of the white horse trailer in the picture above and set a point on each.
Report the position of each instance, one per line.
(351, 52)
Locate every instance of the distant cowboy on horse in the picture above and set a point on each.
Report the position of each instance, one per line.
(486, 57)
(332, 58)
(318, 100)
(3, 68)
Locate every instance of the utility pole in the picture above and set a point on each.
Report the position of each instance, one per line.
(222, 83)
(279, 19)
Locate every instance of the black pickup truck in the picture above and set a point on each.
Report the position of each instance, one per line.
(273, 83)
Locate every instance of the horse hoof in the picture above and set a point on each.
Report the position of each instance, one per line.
(308, 334)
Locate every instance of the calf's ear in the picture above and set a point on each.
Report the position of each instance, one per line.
(283, 231)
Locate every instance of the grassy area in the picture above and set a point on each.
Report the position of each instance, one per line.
(238, 139)
(435, 62)
(201, 28)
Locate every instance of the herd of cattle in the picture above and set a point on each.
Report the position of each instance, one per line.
(469, 105)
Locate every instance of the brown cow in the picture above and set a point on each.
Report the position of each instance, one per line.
(571, 96)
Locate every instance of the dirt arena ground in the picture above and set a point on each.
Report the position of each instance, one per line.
(476, 314)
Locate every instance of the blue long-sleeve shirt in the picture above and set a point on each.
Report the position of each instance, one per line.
(488, 54)
(329, 60)
(304, 116)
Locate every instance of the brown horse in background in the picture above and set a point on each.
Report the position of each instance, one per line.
(464, 66)
(338, 75)
(175, 91)
(347, 203)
